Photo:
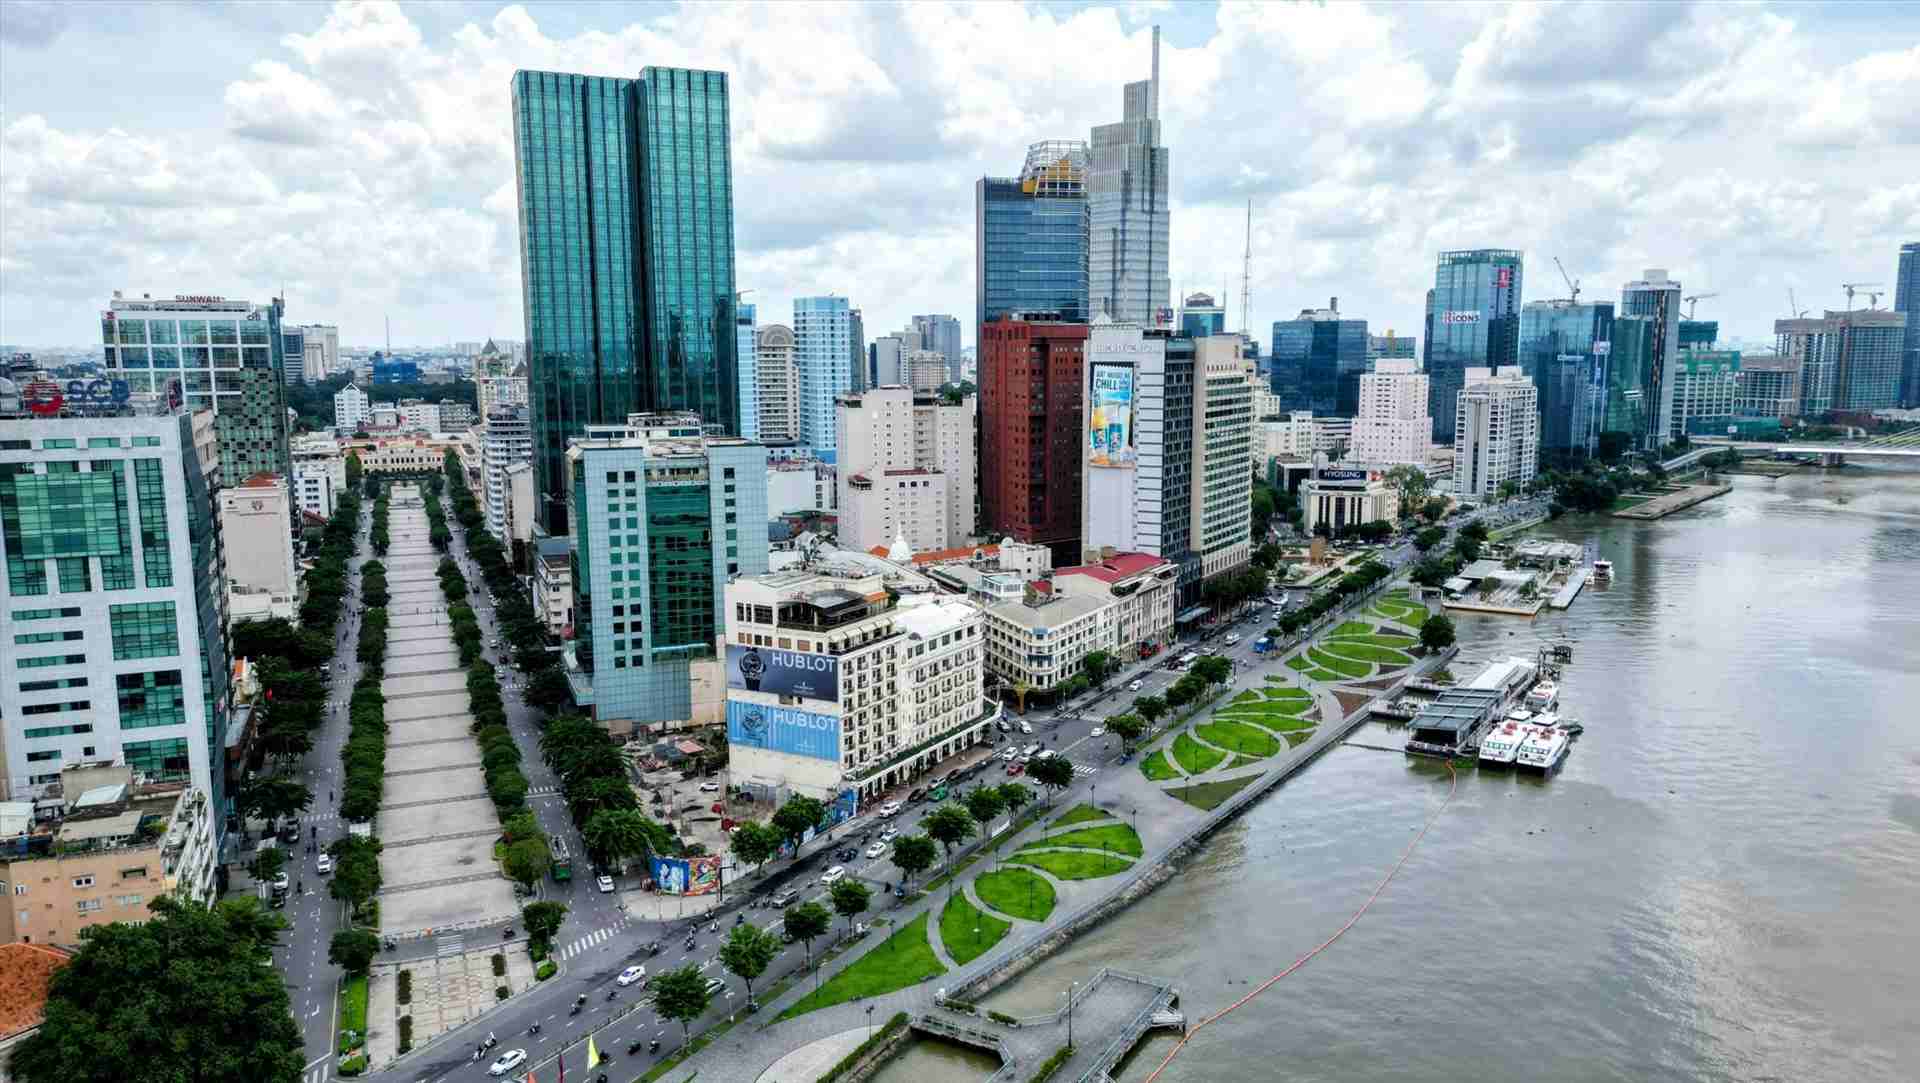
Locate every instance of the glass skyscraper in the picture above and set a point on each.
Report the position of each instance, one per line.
(1030, 237)
(1564, 348)
(1657, 297)
(1201, 315)
(1127, 210)
(746, 379)
(1473, 321)
(1906, 300)
(822, 352)
(625, 195)
(1629, 360)
(1318, 360)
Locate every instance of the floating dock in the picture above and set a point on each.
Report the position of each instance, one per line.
(1564, 597)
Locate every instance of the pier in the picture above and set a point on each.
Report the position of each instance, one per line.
(1668, 503)
(1105, 1018)
(1564, 597)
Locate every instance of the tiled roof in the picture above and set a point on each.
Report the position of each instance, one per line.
(1120, 566)
(25, 971)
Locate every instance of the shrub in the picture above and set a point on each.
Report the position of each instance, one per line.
(847, 1062)
(499, 964)
(353, 1065)
(1053, 1064)
(1002, 1017)
(547, 970)
(404, 990)
(501, 992)
(406, 1033)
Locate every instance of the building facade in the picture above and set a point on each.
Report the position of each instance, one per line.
(1346, 498)
(1031, 372)
(822, 338)
(1128, 213)
(553, 585)
(663, 517)
(1496, 432)
(747, 358)
(1706, 387)
(1201, 315)
(1222, 521)
(1300, 436)
(1318, 360)
(1564, 347)
(1142, 590)
(1906, 301)
(907, 469)
(1392, 427)
(1473, 321)
(1767, 386)
(506, 442)
(941, 334)
(1657, 298)
(1030, 238)
(778, 376)
(1849, 361)
(351, 411)
(256, 520)
(1390, 347)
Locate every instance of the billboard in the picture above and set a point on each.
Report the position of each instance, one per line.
(1460, 317)
(1110, 416)
(685, 875)
(783, 729)
(787, 673)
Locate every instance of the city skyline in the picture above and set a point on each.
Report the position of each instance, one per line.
(400, 201)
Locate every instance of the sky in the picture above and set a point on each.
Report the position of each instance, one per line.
(357, 155)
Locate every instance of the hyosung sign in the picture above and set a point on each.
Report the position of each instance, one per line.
(786, 673)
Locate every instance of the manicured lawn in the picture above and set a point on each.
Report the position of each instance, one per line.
(1154, 765)
(966, 932)
(1411, 614)
(1072, 866)
(1209, 795)
(1390, 642)
(1275, 678)
(1353, 628)
(1366, 652)
(903, 959)
(1621, 503)
(1080, 814)
(1341, 666)
(1284, 695)
(353, 1011)
(1015, 891)
(1241, 761)
(1327, 676)
(1299, 662)
(1194, 757)
(1279, 723)
(1295, 740)
(1237, 737)
(1249, 696)
(1118, 838)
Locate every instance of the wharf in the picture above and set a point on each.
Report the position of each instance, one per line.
(1106, 1017)
(1668, 503)
(1565, 595)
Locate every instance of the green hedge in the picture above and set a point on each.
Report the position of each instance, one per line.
(1052, 1065)
(546, 970)
(354, 1065)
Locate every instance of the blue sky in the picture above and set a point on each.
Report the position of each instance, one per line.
(357, 155)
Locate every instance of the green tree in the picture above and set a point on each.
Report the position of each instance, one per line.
(1054, 772)
(267, 864)
(1413, 484)
(613, 834)
(807, 921)
(1098, 665)
(681, 995)
(913, 855)
(1213, 669)
(983, 804)
(274, 797)
(352, 950)
(797, 817)
(356, 869)
(850, 898)
(1151, 708)
(948, 825)
(526, 861)
(549, 689)
(1127, 726)
(542, 920)
(754, 843)
(748, 951)
(188, 996)
(1437, 633)
(1429, 537)
(1015, 796)
(596, 793)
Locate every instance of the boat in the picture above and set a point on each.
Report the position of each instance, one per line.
(1499, 747)
(1519, 714)
(1543, 695)
(1602, 570)
(1542, 748)
(1572, 728)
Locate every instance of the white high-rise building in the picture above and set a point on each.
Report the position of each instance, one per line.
(1222, 523)
(823, 340)
(1392, 428)
(907, 469)
(321, 353)
(350, 409)
(1496, 435)
(257, 522)
(506, 441)
(419, 416)
(1128, 213)
(778, 376)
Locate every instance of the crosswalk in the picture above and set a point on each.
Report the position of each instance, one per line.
(1083, 770)
(598, 936)
(320, 1074)
(449, 944)
(542, 791)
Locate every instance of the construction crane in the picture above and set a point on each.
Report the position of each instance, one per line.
(1573, 286)
(1793, 305)
(1696, 297)
(1863, 287)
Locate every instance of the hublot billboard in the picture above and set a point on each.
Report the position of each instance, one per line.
(785, 673)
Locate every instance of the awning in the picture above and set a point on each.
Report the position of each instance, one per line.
(1188, 616)
(1456, 585)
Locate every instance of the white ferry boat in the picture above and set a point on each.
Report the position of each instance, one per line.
(1542, 748)
(1543, 695)
(1502, 743)
(1602, 571)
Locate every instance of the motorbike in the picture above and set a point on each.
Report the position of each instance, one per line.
(612, 995)
(635, 1047)
(653, 1046)
(575, 1011)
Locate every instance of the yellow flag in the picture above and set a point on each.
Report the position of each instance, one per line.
(593, 1053)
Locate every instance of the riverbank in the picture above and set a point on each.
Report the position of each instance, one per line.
(1667, 503)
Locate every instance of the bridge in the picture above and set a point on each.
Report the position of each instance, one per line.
(1116, 1009)
(1900, 445)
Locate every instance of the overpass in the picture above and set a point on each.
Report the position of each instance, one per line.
(1831, 452)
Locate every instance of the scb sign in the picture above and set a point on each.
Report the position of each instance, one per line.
(47, 397)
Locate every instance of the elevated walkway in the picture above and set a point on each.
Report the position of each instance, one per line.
(1105, 1019)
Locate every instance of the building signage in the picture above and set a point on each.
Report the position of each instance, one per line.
(1110, 416)
(1503, 278)
(783, 729)
(787, 673)
(685, 875)
(1460, 317)
(198, 298)
(46, 397)
(1602, 349)
(1345, 475)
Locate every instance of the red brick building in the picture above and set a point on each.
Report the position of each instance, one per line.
(1030, 432)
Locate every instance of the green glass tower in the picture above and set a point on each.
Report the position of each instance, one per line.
(626, 255)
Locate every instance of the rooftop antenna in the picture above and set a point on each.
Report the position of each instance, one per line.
(1573, 285)
(1246, 279)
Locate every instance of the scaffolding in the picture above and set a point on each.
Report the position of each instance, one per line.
(1055, 167)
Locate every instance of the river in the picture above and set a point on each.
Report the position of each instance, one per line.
(1722, 883)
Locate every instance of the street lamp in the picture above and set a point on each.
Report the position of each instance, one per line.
(1069, 995)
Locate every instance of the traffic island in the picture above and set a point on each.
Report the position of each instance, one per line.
(444, 992)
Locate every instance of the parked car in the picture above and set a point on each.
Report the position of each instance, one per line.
(604, 883)
(325, 864)
(1133, 686)
(786, 896)
(630, 975)
(834, 875)
(876, 849)
(919, 793)
(507, 1062)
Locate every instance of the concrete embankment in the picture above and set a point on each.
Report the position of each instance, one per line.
(1668, 503)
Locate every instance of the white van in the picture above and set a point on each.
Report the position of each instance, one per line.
(1233, 639)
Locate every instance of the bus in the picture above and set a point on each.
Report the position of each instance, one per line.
(562, 867)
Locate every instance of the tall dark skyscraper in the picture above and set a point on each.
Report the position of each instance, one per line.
(1031, 237)
(626, 255)
(1906, 299)
(1318, 360)
(1565, 347)
(1473, 321)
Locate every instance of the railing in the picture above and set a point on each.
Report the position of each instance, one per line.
(1124, 1040)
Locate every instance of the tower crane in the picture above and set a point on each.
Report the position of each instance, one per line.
(1793, 305)
(1863, 287)
(1696, 297)
(1573, 285)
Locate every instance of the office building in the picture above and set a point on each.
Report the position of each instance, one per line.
(1768, 386)
(114, 586)
(417, 415)
(1564, 347)
(925, 371)
(822, 341)
(1706, 386)
(1496, 436)
(625, 195)
(886, 358)
(293, 347)
(1657, 297)
(351, 410)
(797, 486)
(1390, 347)
(1392, 427)
(1031, 374)
(1906, 301)
(1345, 498)
(1041, 635)
(1697, 333)
(1318, 359)
(1849, 361)
(553, 586)
(204, 351)
(1201, 315)
(907, 469)
(1030, 238)
(320, 352)
(1222, 456)
(314, 490)
(1128, 211)
(941, 334)
(506, 442)
(836, 693)
(1473, 321)
(747, 360)
(777, 373)
(520, 501)
(256, 520)
(1625, 409)
(1300, 436)
(663, 516)
(856, 350)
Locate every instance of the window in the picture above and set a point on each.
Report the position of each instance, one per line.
(59, 731)
(127, 900)
(46, 614)
(151, 491)
(138, 872)
(162, 760)
(48, 686)
(43, 756)
(144, 630)
(49, 637)
(51, 660)
(151, 699)
(89, 906)
(83, 881)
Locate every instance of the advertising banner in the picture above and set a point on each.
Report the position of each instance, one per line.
(783, 729)
(1110, 416)
(786, 673)
(686, 875)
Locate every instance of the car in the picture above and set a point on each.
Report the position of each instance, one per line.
(715, 987)
(1134, 686)
(604, 883)
(845, 853)
(281, 883)
(786, 896)
(834, 875)
(1235, 638)
(709, 787)
(890, 833)
(1030, 750)
(1009, 753)
(1004, 728)
(290, 832)
(1016, 769)
(1097, 731)
(507, 1062)
(890, 809)
(876, 849)
(325, 864)
(1026, 727)
(630, 975)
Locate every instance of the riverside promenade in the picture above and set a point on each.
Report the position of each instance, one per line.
(1167, 828)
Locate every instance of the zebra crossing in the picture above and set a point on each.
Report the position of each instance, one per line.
(449, 944)
(542, 791)
(599, 936)
(1083, 770)
(320, 1074)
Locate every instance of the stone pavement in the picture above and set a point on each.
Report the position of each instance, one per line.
(814, 1059)
(447, 991)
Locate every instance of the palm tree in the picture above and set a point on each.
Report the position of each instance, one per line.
(612, 834)
(1020, 690)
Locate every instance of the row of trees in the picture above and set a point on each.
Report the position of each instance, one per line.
(593, 779)
(1354, 582)
(1235, 590)
(379, 536)
(1437, 567)
(363, 758)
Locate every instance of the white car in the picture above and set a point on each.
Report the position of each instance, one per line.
(325, 864)
(891, 808)
(834, 875)
(1133, 686)
(1026, 728)
(631, 974)
(876, 849)
(889, 834)
(1009, 752)
(715, 987)
(709, 787)
(604, 883)
(1097, 731)
(511, 1059)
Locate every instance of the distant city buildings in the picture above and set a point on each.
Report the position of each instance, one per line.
(1300, 435)
(1201, 315)
(1496, 432)
(1565, 348)
(1031, 376)
(777, 376)
(1390, 347)
(1657, 297)
(1705, 391)
(1318, 359)
(907, 469)
(1128, 210)
(823, 340)
(1849, 361)
(940, 333)
(1392, 427)
(1768, 386)
(320, 356)
(1473, 321)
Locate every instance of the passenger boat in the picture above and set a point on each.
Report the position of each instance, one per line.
(1602, 570)
(1543, 695)
(1501, 744)
(1542, 748)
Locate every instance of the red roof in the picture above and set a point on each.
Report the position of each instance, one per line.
(25, 970)
(1119, 566)
(944, 556)
(261, 481)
